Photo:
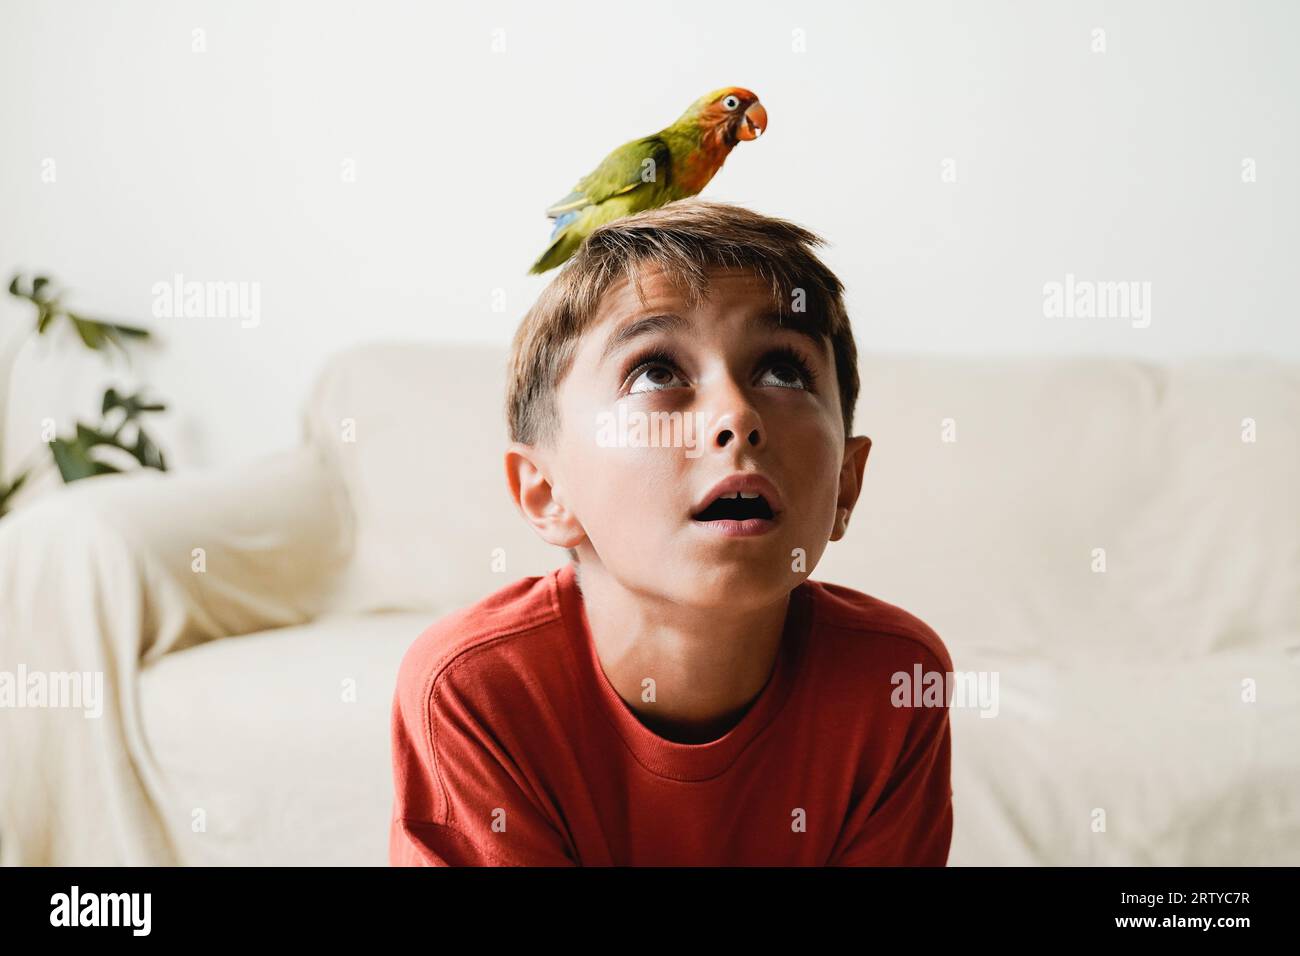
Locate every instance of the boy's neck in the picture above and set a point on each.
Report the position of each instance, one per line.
(708, 664)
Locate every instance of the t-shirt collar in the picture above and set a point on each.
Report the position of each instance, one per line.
(667, 758)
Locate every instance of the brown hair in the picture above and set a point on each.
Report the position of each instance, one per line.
(684, 239)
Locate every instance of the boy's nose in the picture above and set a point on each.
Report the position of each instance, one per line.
(734, 421)
(742, 424)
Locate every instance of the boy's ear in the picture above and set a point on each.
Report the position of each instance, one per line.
(856, 450)
(538, 500)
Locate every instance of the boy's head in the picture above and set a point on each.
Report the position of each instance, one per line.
(680, 347)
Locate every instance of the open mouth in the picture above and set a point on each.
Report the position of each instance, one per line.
(739, 506)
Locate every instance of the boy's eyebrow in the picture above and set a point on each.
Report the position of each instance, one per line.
(660, 322)
(668, 322)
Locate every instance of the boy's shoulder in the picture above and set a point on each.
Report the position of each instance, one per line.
(875, 627)
(512, 620)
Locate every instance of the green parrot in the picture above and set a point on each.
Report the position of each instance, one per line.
(676, 162)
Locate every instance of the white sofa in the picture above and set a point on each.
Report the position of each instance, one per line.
(248, 684)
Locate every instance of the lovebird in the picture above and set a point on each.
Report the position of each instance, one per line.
(676, 162)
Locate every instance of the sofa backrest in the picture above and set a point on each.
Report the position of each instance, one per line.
(1019, 505)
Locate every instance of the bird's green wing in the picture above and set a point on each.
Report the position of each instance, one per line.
(621, 171)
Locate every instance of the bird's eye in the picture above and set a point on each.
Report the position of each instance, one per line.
(730, 101)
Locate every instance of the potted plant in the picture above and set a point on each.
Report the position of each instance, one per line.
(80, 454)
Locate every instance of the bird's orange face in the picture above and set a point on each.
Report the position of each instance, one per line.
(736, 111)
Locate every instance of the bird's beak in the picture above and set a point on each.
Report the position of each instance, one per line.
(754, 123)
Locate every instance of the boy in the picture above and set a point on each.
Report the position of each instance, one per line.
(680, 409)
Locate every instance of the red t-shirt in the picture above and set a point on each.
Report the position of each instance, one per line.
(511, 747)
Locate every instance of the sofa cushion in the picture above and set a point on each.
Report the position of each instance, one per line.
(281, 739)
(419, 435)
(1184, 770)
(990, 537)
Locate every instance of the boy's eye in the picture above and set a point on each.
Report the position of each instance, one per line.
(654, 376)
(787, 368)
(784, 367)
(786, 376)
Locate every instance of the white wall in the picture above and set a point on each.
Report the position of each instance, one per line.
(226, 165)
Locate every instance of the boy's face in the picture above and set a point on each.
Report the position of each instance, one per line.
(633, 484)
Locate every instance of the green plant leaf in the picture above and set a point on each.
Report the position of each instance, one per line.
(88, 436)
(73, 456)
(147, 453)
(130, 331)
(7, 492)
(74, 461)
(92, 333)
(132, 405)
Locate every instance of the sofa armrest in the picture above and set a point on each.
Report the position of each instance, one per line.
(98, 580)
(208, 554)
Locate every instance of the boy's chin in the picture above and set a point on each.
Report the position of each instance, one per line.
(732, 583)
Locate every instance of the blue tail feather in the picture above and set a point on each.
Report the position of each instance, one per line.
(562, 221)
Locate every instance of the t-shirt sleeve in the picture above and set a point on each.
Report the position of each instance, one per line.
(459, 798)
(910, 824)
